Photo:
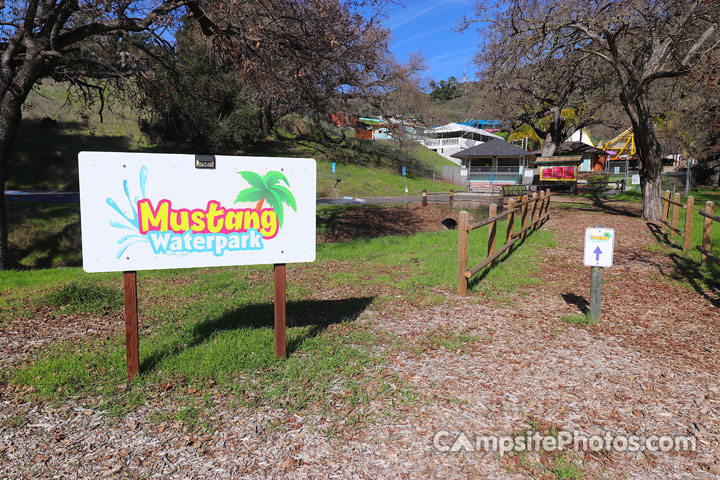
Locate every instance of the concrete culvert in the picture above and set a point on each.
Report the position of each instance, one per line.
(449, 224)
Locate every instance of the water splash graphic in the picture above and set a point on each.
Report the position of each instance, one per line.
(129, 223)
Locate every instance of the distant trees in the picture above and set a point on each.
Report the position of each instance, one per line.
(555, 98)
(445, 90)
(291, 55)
(69, 41)
(636, 43)
(196, 102)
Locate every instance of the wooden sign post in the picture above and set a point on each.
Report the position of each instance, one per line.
(132, 348)
(279, 300)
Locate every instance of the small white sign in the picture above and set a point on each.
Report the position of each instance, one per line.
(599, 244)
(635, 180)
(142, 211)
(616, 170)
(529, 172)
(463, 172)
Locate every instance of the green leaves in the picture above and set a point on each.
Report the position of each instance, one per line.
(253, 179)
(250, 195)
(269, 188)
(273, 177)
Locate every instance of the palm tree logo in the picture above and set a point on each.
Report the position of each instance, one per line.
(267, 188)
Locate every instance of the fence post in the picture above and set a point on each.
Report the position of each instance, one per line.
(533, 217)
(462, 252)
(547, 201)
(451, 197)
(492, 211)
(511, 220)
(524, 216)
(541, 209)
(666, 210)
(707, 232)
(676, 211)
(424, 197)
(689, 211)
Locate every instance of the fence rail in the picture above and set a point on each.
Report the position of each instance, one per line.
(530, 218)
(706, 248)
(673, 225)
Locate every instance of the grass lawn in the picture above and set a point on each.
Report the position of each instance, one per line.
(214, 326)
(44, 235)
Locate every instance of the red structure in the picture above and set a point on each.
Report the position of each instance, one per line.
(343, 119)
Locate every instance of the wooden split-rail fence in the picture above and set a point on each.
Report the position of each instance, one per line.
(706, 247)
(533, 212)
(673, 225)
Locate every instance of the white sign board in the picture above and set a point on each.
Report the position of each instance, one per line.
(142, 211)
(463, 172)
(599, 244)
(635, 180)
(616, 170)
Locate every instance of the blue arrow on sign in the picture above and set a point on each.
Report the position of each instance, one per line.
(597, 253)
(333, 167)
(404, 170)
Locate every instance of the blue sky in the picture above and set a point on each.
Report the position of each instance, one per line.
(429, 27)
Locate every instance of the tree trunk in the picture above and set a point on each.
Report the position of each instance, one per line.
(10, 114)
(266, 121)
(14, 92)
(555, 133)
(648, 151)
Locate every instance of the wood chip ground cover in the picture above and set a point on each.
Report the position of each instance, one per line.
(473, 365)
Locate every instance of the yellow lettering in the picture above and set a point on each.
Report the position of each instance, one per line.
(158, 221)
(269, 223)
(198, 218)
(251, 220)
(183, 225)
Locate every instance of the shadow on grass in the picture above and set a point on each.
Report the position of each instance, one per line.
(706, 282)
(51, 164)
(607, 207)
(661, 236)
(44, 235)
(316, 314)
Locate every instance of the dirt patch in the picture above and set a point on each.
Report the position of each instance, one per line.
(377, 221)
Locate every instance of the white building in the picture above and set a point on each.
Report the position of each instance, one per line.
(453, 138)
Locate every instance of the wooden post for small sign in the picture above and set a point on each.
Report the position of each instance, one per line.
(424, 198)
(132, 350)
(279, 300)
(595, 292)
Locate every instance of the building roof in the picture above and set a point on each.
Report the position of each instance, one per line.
(457, 127)
(494, 148)
(570, 148)
(561, 160)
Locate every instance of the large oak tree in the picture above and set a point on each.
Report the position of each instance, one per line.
(639, 42)
(295, 54)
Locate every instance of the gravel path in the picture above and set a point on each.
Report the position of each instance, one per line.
(649, 368)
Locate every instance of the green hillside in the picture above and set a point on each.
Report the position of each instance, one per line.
(55, 128)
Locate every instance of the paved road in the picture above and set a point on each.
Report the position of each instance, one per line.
(74, 197)
(33, 196)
